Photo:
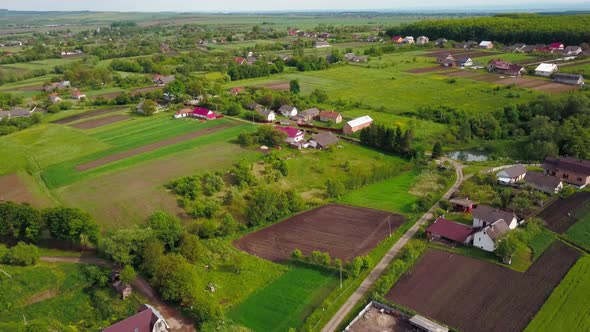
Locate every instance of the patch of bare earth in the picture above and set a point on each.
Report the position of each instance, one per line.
(46, 295)
(429, 70)
(86, 115)
(12, 188)
(91, 124)
(275, 86)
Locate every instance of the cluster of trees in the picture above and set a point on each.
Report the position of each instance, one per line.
(21, 222)
(518, 238)
(336, 188)
(308, 63)
(267, 205)
(323, 260)
(21, 254)
(264, 135)
(520, 28)
(257, 69)
(84, 75)
(184, 63)
(390, 140)
(9, 126)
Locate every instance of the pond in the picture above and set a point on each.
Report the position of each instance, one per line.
(468, 155)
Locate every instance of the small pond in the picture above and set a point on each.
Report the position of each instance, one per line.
(468, 155)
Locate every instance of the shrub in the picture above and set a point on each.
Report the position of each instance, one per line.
(22, 254)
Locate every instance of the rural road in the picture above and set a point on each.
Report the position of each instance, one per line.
(333, 324)
(173, 317)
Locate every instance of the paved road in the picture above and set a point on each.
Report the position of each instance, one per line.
(173, 317)
(382, 265)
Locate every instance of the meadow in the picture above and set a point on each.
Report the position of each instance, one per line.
(567, 309)
(579, 233)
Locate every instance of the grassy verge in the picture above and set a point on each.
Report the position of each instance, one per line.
(540, 243)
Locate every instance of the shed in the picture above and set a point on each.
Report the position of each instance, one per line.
(462, 204)
(357, 124)
(511, 175)
(323, 140)
(425, 324)
(546, 69)
(571, 79)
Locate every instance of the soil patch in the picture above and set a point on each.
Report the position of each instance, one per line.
(562, 214)
(150, 147)
(523, 82)
(472, 295)
(459, 52)
(375, 321)
(343, 231)
(429, 70)
(12, 188)
(86, 115)
(46, 295)
(91, 124)
(275, 86)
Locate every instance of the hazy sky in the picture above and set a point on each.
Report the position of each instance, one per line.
(253, 5)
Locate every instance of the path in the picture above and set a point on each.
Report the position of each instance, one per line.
(173, 317)
(333, 324)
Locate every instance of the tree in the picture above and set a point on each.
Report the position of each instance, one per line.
(436, 150)
(335, 188)
(72, 225)
(190, 247)
(126, 244)
(151, 254)
(355, 267)
(22, 254)
(177, 280)
(127, 274)
(506, 247)
(297, 255)
(149, 107)
(19, 222)
(294, 87)
(166, 228)
(176, 89)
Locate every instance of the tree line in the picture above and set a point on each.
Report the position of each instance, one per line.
(390, 140)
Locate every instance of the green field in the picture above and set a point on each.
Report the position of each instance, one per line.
(56, 294)
(579, 233)
(286, 302)
(541, 242)
(568, 308)
(583, 69)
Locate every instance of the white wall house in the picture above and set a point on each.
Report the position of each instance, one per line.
(546, 69)
(511, 175)
(484, 216)
(288, 111)
(487, 238)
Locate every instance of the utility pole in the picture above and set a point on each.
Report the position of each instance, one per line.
(340, 274)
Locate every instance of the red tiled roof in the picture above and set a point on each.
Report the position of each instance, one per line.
(185, 111)
(556, 45)
(239, 60)
(203, 112)
(140, 322)
(450, 230)
(329, 114)
(290, 131)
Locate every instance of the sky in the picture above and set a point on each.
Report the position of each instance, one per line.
(278, 5)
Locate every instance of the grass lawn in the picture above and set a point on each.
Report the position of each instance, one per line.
(540, 243)
(286, 302)
(56, 294)
(389, 195)
(568, 308)
(521, 260)
(579, 233)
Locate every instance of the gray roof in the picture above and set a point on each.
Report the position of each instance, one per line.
(541, 180)
(286, 108)
(325, 139)
(514, 171)
(571, 78)
(465, 202)
(264, 112)
(497, 229)
(310, 112)
(489, 214)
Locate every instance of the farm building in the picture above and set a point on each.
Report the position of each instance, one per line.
(504, 67)
(203, 113)
(570, 170)
(446, 60)
(408, 40)
(464, 62)
(487, 237)
(425, 324)
(546, 69)
(183, 113)
(462, 204)
(322, 44)
(441, 42)
(161, 80)
(572, 50)
(78, 95)
(511, 175)
(240, 60)
(556, 46)
(57, 86)
(294, 135)
(330, 116)
(308, 115)
(148, 319)
(323, 140)
(54, 98)
(16, 112)
(449, 230)
(484, 215)
(269, 115)
(288, 111)
(397, 39)
(357, 124)
(486, 44)
(571, 79)
(422, 40)
(542, 182)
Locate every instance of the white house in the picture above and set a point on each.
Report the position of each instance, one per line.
(294, 135)
(183, 113)
(511, 175)
(78, 95)
(288, 111)
(54, 98)
(484, 216)
(464, 62)
(546, 69)
(408, 40)
(487, 238)
(269, 115)
(486, 44)
(422, 40)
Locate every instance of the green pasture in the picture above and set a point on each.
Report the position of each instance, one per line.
(540, 243)
(286, 302)
(568, 308)
(579, 233)
(583, 69)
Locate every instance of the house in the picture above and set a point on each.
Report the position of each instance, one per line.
(572, 50)
(487, 238)
(511, 175)
(546, 69)
(535, 48)
(571, 79)
(570, 170)
(323, 140)
(288, 111)
(269, 115)
(163, 80)
(556, 46)
(294, 135)
(16, 112)
(463, 205)
(183, 113)
(122, 289)
(397, 39)
(514, 70)
(498, 64)
(321, 44)
(518, 48)
(78, 95)
(292, 32)
(450, 231)
(446, 61)
(486, 44)
(408, 40)
(422, 40)
(203, 113)
(440, 42)
(357, 124)
(254, 106)
(237, 90)
(57, 86)
(464, 62)
(484, 215)
(54, 98)
(468, 45)
(505, 68)
(309, 114)
(330, 116)
(240, 60)
(543, 182)
(148, 319)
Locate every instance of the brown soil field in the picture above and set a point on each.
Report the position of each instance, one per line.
(149, 147)
(523, 82)
(30, 88)
(13, 188)
(112, 95)
(472, 295)
(459, 52)
(429, 70)
(375, 321)
(343, 231)
(91, 124)
(561, 214)
(275, 86)
(86, 115)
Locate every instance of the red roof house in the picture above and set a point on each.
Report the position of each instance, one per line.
(294, 135)
(397, 39)
(556, 46)
(203, 113)
(236, 91)
(148, 319)
(449, 230)
(240, 60)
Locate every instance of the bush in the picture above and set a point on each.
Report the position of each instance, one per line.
(22, 254)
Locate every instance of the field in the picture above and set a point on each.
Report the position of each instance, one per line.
(375, 321)
(579, 233)
(286, 302)
(471, 295)
(563, 213)
(344, 232)
(57, 294)
(14, 188)
(567, 309)
(86, 115)
(96, 123)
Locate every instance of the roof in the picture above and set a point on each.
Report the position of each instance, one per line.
(239, 60)
(286, 108)
(360, 121)
(572, 48)
(143, 321)
(184, 111)
(556, 45)
(491, 215)
(264, 112)
(202, 111)
(462, 202)
(329, 114)
(546, 67)
(542, 180)
(497, 229)
(485, 43)
(568, 77)
(427, 324)
(290, 131)
(312, 112)
(514, 171)
(570, 164)
(463, 59)
(450, 230)
(15, 112)
(77, 93)
(325, 139)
